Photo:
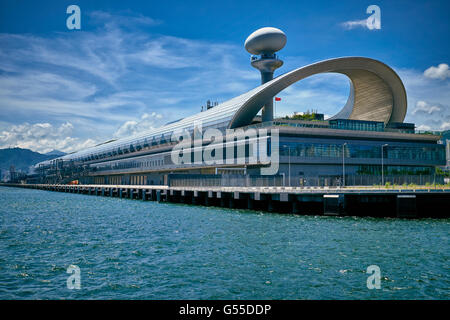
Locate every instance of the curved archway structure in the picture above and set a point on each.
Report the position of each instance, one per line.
(376, 91)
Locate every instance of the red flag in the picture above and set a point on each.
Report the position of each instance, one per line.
(277, 99)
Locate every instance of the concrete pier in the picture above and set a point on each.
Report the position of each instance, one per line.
(406, 206)
(381, 202)
(333, 204)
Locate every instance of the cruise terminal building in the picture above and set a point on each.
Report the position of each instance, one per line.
(366, 143)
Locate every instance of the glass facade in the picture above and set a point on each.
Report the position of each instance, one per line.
(361, 151)
(359, 125)
(394, 170)
(129, 164)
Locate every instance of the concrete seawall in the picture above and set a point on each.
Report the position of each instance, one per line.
(402, 203)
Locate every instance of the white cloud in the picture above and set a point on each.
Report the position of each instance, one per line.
(99, 80)
(422, 106)
(423, 127)
(38, 84)
(445, 126)
(428, 100)
(43, 137)
(440, 72)
(129, 19)
(354, 24)
(132, 127)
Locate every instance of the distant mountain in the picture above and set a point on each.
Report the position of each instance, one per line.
(55, 153)
(22, 159)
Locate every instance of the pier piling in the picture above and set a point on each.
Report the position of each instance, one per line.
(415, 203)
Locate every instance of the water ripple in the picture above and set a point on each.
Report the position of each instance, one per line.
(144, 250)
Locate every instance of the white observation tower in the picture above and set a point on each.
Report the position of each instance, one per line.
(262, 44)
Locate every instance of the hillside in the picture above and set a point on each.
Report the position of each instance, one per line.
(22, 159)
(55, 153)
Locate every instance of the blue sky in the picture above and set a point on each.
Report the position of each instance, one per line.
(136, 65)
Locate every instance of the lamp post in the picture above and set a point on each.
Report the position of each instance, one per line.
(289, 167)
(343, 164)
(382, 163)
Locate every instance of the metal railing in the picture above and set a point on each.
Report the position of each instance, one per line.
(231, 180)
(325, 125)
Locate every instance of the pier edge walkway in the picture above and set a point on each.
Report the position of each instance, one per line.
(422, 201)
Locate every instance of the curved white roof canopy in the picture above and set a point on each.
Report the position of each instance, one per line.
(376, 91)
(376, 94)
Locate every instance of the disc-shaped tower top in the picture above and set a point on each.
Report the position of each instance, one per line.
(265, 41)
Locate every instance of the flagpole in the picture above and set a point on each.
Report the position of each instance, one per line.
(275, 106)
(275, 111)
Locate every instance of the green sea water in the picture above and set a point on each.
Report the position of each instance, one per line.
(130, 249)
